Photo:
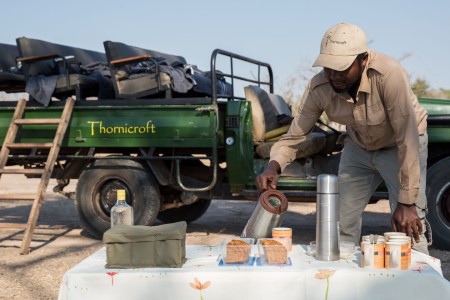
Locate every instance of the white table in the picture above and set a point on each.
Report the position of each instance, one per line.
(306, 278)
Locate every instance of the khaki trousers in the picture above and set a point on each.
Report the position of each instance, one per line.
(361, 172)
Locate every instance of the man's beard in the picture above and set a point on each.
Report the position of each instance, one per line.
(349, 88)
(336, 90)
(344, 90)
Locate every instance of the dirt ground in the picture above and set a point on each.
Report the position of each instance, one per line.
(59, 243)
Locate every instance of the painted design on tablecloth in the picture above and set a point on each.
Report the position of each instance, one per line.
(200, 286)
(381, 274)
(424, 264)
(325, 274)
(112, 274)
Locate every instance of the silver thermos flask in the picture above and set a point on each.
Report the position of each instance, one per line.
(327, 224)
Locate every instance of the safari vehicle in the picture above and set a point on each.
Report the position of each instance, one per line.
(174, 152)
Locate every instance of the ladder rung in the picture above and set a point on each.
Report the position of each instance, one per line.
(22, 171)
(17, 197)
(37, 121)
(29, 145)
(14, 225)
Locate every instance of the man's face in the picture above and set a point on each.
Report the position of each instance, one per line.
(342, 81)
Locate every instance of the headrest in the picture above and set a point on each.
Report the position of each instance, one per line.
(263, 112)
(281, 107)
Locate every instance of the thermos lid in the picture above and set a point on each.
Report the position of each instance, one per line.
(273, 201)
(327, 184)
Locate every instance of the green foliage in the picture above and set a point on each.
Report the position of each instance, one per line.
(445, 93)
(420, 87)
(422, 90)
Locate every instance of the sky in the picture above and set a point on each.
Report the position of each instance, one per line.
(285, 34)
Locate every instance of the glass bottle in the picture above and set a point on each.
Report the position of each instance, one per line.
(121, 212)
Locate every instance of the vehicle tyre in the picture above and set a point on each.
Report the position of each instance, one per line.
(438, 197)
(188, 213)
(96, 193)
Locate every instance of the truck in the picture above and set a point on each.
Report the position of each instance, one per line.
(174, 155)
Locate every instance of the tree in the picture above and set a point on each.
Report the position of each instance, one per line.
(420, 87)
(445, 93)
(422, 90)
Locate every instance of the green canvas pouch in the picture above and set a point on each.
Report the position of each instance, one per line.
(141, 246)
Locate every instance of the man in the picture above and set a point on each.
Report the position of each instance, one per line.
(385, 139)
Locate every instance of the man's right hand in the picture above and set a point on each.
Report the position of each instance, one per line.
(269, 178)
(405, 219)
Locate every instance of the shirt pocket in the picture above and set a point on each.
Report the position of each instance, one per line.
(376, 114)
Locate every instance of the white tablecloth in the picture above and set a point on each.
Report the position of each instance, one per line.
(202, 278)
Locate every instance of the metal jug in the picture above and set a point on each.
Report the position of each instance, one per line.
(267, 214)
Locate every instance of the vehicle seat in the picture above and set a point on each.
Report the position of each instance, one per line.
(138, 73)
(11, 77)
(54, 70)
(266, 109)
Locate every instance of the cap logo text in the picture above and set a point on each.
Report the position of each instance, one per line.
(331, 41)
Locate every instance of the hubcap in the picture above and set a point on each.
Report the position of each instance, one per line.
(106, 195)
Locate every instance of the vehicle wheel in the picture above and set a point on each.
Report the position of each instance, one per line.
(188, 213)
(438, 197)
(96, 193)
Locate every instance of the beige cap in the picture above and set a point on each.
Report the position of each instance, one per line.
(340, 46)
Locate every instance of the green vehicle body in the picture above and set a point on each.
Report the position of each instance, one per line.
(179, 154)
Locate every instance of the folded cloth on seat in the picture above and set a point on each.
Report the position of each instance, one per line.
(181, 79)
(100, 71)
(184, 77)
(41, 88)
(203, 84)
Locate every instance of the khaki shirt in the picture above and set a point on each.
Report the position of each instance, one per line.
(385, 114)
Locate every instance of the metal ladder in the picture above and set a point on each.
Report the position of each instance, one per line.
(9, 143)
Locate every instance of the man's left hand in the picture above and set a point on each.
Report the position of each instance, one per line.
(405, 219)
